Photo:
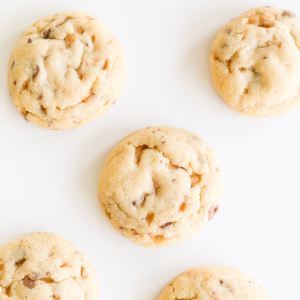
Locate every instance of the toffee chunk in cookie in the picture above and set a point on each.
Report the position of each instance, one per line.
(255, 62)
(220, 283)
(160, 185)
(44, 266)
(66, 70)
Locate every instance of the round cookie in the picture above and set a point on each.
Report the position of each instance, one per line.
(65, 70)
(255, 62)
(160, 185)
(44, 266)
(221, 283)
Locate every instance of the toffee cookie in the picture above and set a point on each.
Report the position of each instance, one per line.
(255, 62)
(160, 185)
(44, 266)
(220, 283)
(66, 70)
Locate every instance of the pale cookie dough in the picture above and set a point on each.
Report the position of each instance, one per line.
(160, 185)
(66, 70)
(255, 62)
(213, 283)
(43, 266)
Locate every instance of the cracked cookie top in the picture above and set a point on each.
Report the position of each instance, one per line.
(43, 266)
(66, 70)
(220, 283)
(255, 62)
(160, 185)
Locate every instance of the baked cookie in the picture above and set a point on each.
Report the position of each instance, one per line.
(43, 266)
(160, 185)
(255, 62)
(66, 70)
(215, 283)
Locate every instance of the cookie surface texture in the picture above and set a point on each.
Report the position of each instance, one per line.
(160, 185)
(255, 62)
(66, 70)
(44, 266)
(211, 283)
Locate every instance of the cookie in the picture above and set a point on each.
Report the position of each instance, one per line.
(160, 185)
(221, 283)
(44, 266)
(255, 62)
(66, 70)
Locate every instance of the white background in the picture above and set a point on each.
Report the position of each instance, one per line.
(48, 179)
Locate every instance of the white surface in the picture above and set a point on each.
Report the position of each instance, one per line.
(48, 179)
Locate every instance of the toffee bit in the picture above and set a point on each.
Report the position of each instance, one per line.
(166, 225)
(46, 34)
(29, 41)
(212, 211)
(36, 72)
(21, 261)
(288, 14)
(29, 283)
